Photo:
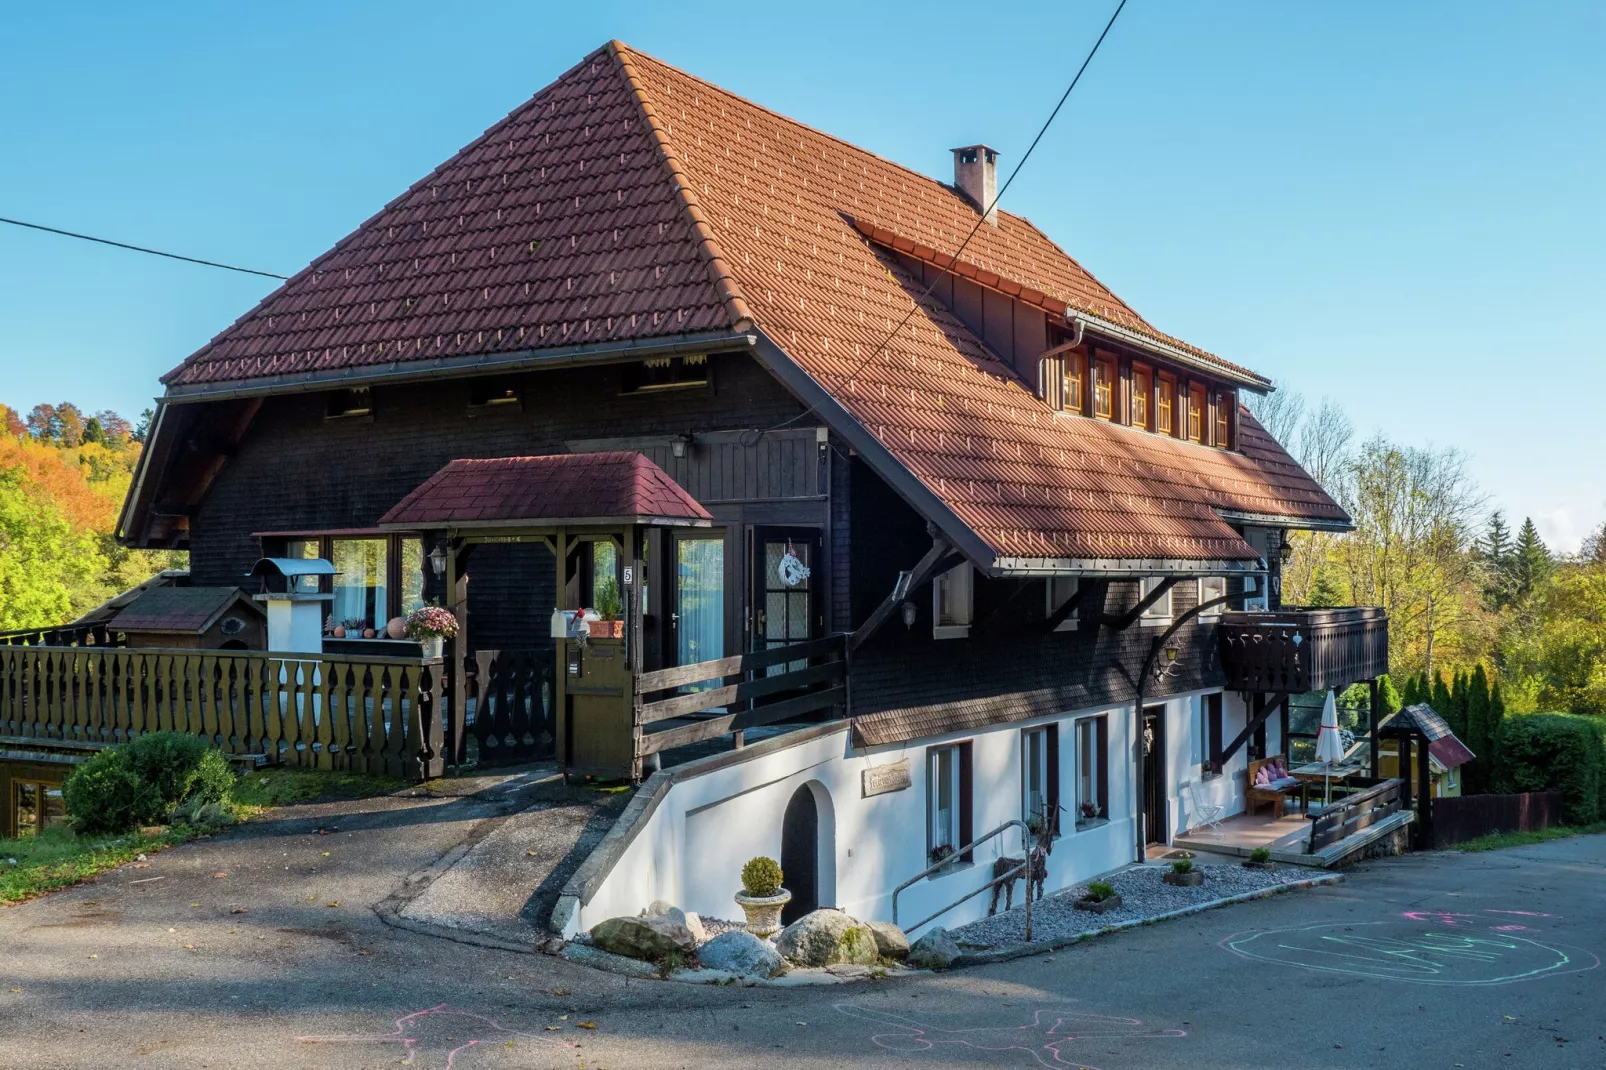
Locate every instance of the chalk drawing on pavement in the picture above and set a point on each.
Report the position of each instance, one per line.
(1048, 1037)
(1425, 948)
(433, 1038)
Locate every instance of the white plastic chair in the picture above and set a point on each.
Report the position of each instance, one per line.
(1206, 814)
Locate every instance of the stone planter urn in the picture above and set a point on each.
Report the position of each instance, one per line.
(763, 912)
(1191, 879)
(1098, 906)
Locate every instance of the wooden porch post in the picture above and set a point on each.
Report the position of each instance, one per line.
(1424, 798)
(560, 652)
(457, 653)
(1375, 717)
(1283, 722)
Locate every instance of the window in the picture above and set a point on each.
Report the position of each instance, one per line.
(1160, 611)
(1104, 388)
(1061, 589)
(35, 807)
(1142, 397)
(1092, 770)
(488, 392)
(1223, 421)
(666, 373)
(412, 575)
(1039, 776)
(347, 403)
(303, 550)
(1210, 588)
(951, 597)
(602, 580)
(361, 582)
(1075, 382)
(947, 800)
(1165, 406)
(1210, 734)
(1196, 412)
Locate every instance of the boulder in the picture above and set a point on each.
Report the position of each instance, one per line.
(934, 951)
(890, 941)
(741, 953)
(642, 938)
(825, 937)
(691, 920)
(658, 908)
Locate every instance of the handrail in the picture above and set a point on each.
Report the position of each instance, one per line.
(1026, 844)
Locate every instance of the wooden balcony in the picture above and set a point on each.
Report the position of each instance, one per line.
(1298, 649)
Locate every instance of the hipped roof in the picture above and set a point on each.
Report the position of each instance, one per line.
(630, 202)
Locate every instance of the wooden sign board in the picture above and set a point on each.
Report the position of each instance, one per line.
(881, 779)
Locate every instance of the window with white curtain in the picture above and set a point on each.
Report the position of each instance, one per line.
(951, 603)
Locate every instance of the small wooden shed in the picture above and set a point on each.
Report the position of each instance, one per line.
(198, 618)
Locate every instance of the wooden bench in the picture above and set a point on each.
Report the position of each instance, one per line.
(1255, 794)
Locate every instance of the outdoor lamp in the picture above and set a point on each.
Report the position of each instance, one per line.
(908, 614)
(1286, 551)
(437, 560)
(678, 444)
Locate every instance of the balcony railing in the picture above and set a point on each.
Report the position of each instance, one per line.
(1296, 649)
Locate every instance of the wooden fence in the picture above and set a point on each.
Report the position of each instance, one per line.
(508, 714)
(1456, 820)
(371, 715)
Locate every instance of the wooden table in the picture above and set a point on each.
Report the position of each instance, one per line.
(1321, 772)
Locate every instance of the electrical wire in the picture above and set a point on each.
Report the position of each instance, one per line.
(980, 220)
(141, 249)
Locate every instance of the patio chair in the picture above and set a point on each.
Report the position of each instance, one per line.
(1206, 814)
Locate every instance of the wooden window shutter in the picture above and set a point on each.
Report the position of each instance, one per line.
(1104, 765)
(1213, 732)
(1052, 749)
(966, 797)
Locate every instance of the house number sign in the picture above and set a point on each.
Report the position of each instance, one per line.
(881, 779)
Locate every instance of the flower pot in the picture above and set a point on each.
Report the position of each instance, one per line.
(432, 645)
(606, 629)
(1098, 906)
(763, 912)
(1191, 879)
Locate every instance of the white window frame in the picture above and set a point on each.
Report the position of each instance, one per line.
(1087, 755)
(936, 835)
(1059, 590)
(1026, 768)
(1160, 613)
(953, 596)
(1211, 587)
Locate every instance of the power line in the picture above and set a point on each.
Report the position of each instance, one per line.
(981, 219)
(141, 249)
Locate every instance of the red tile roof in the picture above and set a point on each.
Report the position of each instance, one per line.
(629, 200)
(572, 486)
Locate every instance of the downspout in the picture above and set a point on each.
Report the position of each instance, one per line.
(1079, 327)
(1142, 687)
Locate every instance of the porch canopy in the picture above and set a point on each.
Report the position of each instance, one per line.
(557, 490)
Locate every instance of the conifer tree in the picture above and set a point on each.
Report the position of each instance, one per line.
(1497, 731)
(1530, 560)
(1456, 715)
(1480, 774)
(1388, 697)
(1439, 695)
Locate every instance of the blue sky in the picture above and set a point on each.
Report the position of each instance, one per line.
(1396, 205)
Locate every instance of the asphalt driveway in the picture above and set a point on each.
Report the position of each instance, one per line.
(1427, 961)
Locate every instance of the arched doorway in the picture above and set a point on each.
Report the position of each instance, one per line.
(800, 854)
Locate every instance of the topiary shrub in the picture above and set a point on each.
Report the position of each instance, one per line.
(761, 877)
(1557, 752)
(143, 781)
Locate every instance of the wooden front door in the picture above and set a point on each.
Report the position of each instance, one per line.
(786, 607)
(698, 605)
(1155, 816)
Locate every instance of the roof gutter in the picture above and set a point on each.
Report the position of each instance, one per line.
(1116, 568)
(406, 371)
(1109, 329)
(1272, 520)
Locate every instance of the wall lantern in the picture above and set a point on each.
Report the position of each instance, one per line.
(909, 614)
(1286, 551)
(437, 560)
(679, 444)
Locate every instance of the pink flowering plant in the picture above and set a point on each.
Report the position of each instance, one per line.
(431, 622)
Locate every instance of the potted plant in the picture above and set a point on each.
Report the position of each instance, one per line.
(941, 853)
(1260, 858)
(762, 896)
(1183, 875)
(429, 626)
(1100, 898)
(1090, 811)
(610, 610)
(353, 627)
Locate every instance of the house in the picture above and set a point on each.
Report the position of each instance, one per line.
(970, 528)
(1445, 751)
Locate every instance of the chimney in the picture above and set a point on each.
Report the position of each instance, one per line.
(976, 175)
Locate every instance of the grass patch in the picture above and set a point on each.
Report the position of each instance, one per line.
(1496, 840)
(262, 788)
(58, 859)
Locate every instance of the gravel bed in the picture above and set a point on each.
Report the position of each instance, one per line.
(714, 926)
(1143, 895)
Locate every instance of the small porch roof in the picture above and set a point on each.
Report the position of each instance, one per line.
(556, 490)
(1443, 744)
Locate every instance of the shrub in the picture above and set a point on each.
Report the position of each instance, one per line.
(1557, 752)
(1182, 865)
(1260, 855)
(143, 781)
(1099, 891)
(761, 877)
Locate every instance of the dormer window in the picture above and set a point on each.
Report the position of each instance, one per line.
(1142, 397)
(1196, 412)
(1104, 388)
(1165, 406)
(1075, 381)
(1223, 421)
(344, 404)
(666, 373)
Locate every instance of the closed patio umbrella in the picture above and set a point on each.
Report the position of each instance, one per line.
(1329, 746)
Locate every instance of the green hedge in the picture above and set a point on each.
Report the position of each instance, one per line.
(142, 782)
(1558, 752)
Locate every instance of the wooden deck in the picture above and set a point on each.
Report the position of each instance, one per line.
(1286, 837)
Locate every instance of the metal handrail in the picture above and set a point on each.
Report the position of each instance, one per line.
(1026, 845)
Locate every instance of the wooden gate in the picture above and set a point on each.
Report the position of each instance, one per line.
(509, 717)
